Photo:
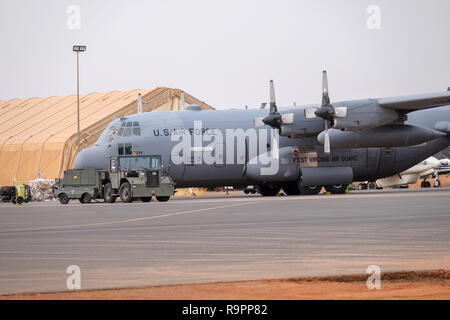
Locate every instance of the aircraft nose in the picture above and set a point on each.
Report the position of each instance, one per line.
(92, 158)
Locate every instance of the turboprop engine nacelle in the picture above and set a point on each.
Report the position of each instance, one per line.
(361, 115)
(348, 116)
(395, 135)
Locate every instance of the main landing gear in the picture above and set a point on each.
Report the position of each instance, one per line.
(427, 184)
(293, 189)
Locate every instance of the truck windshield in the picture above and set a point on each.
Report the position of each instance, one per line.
(140, 163)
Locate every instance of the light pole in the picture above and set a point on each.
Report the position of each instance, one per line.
(78, 49)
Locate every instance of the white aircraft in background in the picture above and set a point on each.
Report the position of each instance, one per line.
(429, 168)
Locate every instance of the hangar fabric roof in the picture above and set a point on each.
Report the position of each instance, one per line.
(38, 135)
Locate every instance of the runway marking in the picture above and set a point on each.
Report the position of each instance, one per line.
(128, 220)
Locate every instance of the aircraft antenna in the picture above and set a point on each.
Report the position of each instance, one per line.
(182, 103)
(139, 104)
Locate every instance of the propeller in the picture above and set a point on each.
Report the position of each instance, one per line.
(274, 119)
(326, 111)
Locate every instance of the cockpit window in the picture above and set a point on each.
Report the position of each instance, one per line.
(128, 129)
(136, 131)
(125, 149)
(113, 131)
(127, 132)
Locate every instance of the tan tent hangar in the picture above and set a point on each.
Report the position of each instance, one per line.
(39, 135)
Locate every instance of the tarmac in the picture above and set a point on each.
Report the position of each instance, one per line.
(221, 237)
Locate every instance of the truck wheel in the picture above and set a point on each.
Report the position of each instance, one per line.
(85, 198)
(107, 194)
(163, 199)
(337, 188)
(63, 198)
(125, 192)
(19, 200)
(146, 199)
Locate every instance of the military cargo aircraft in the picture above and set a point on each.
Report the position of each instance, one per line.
(298, 149)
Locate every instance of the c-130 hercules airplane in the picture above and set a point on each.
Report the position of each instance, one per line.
(298, 149)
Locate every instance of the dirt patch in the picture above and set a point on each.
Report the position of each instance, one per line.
(434, 284)
(413, 276)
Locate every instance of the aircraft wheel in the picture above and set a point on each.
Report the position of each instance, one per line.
(146, 199)
(63, 198)
(372, 185)
(437, 183)
(163, 199)
(125, 192)
(246, 191)
(269, 190)
(425, 184)
(362, 186)
(310, 190)
(291, 189)
(337, 188)
(85, 198)
(107, 194)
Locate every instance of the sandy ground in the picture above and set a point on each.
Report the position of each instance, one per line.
(433, 284)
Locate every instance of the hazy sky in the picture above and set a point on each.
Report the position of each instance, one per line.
(225, 52)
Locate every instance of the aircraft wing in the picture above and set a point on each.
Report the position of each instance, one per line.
(416, 102)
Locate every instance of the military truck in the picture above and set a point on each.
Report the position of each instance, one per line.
(129, 177)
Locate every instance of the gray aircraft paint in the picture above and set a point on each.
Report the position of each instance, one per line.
(365, 163)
